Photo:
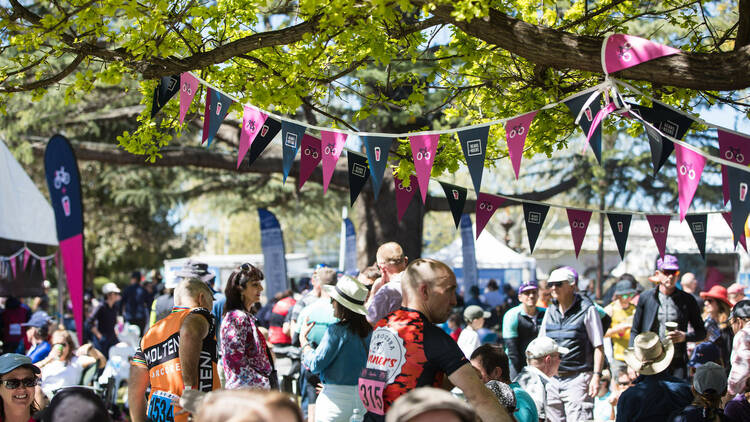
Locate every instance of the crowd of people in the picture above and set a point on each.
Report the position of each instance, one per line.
(398, 342)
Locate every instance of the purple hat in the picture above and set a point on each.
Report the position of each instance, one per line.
(669, 263)
(526, 286)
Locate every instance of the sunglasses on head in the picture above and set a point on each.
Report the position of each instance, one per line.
(12, 384)
(552, 284)
(247, 267)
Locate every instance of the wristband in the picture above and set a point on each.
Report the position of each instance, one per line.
(598, 373)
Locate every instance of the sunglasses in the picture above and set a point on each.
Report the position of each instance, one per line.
(552, 284)
(627, 296)
(12, 384)
(247, 267)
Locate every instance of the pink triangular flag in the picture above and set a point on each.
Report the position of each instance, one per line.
(579, 223)
(516, 131)
(689, 169)
(728, 218)
(423, 149)
(252, 121)
(206, 117)
(732, 147)
(43, 263)
(26, 256)
(310, 157)
(624, 51)
(188, 87)
(659, 228)
(486, 206)
(333, 144)
(13, 266)
(404, 194)
(598, 120)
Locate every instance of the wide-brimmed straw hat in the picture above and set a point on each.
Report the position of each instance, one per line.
(649, 355)
(350, 293)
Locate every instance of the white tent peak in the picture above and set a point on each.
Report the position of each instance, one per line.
(25, 214)
(490, 253)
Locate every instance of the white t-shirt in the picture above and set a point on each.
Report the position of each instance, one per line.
(56, 375)
(468, 341)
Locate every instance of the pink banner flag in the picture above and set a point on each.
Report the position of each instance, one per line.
(43, 263)
(252, 123)
(732, 147)
(659, 227)
(333, 144)
(579, 223)
(624, 51)
(188, 87)
(728, 218)
(72, 255)
(603, 113)
(689, 169)
(404, 194)
(309, 158)
(486, 206)
(423, 149)
(516, 131)
(206, 117)
(13, 266)
(26, 256)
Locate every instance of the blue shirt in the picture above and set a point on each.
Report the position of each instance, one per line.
(39, 352)
(653, 398)
(340, 356)
(218, 313)
(525, 406)
(321, 313)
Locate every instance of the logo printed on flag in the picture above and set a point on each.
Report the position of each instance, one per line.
(669, 128)
(291, 140)
(535, 217)
(589, 115)
(620, 226)
(377, 153)
(698, 227)
(474, 147)
(658, 228)
(455, 194)
(359, 170)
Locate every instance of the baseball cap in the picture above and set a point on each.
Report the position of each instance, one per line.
(563, 274)
(425, 399)
(543, 346)
(473, 312)
(741, 309)
(669, 263)
(80, 404)
(38, 319)
(110, 288)
(624, 287)
(11, 361)
(526, 286)
(709, 377)
(704, 352)
(326, 276)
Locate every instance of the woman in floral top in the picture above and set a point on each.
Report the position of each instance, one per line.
(244, 354)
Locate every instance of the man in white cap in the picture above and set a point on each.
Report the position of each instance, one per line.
(543, 361)
(468, 340)
(574, 323)
(104, 318)
(655, 394)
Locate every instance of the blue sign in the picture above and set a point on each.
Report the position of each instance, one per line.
(470, 276)
(274, 256)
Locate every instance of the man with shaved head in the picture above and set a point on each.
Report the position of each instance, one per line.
(385, 296)
(407, 349)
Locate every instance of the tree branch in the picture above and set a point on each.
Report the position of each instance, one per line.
(743, 29)
(45, 82)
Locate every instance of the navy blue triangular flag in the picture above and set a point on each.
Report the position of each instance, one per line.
(739, 184)
(534, 215)
(377, 148)
(456, 196)
(291, 136)
(217, 111)
(165, 89)
(669, 122)
(620, 225)
(358, 174)
(474, 144)
(268, 131)
(587, 117)
(698, 224)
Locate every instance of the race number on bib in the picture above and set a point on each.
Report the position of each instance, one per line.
(371, 386)
(160, 408)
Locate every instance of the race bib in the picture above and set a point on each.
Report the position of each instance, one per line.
(160, 408)
(371, 386)
(14, 330)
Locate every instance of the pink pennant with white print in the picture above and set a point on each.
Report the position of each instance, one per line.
(423, 149)
(404, 194)
(659, 228)
(486, 206)
(516, 131)
(252, 122)
(332, 144)
(624, 51)
(310, 157)
(188, 87)
(689, 169)
(579, 223)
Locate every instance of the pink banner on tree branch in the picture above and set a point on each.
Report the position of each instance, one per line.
(423, 149)
(579, 223)
(333, 144)
(689, 169)
(732, 147)
(309, 158)
(486, 206)
(516, 131)
(188, 87)
(624, 51)
(404, 194)
(659, 228)
(252, 123)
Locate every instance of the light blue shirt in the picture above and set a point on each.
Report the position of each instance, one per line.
(340, 356)
(525, 407)
(321, 313)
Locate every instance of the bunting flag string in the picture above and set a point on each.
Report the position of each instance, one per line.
(534, 216)
(486, 206)
(620, 225)
(332, 144)
(358, 174)
(579, 223)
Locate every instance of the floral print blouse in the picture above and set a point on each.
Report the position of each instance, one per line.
(244, 353)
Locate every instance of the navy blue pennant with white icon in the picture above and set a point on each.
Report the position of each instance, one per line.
(739, 183)
(456, 196)
(165, 90)
(534, 215)
(217, 110)
(474, 145)
(268, 131)
(377, 148)
(620, 225)
(291, 136)
(584, 108)
(669, 122)
(698, 224)
(358, 174)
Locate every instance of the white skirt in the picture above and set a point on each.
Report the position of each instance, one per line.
(336, 403)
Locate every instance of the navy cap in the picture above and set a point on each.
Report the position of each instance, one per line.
(39, 319)
(704, 353)
(741, 309)
(11, 361)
